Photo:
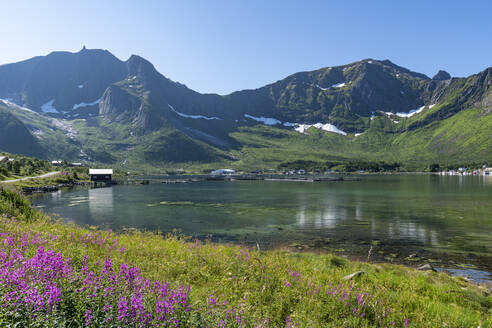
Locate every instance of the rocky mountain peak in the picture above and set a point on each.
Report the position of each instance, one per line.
(441, 76)
(139, 66)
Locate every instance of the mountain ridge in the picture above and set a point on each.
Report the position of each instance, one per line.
(131, 101)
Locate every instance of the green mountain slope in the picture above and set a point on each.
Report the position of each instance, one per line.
(44, 137)
(14, 136)
(462, 138)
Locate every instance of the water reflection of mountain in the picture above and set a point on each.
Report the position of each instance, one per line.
(412, 231)
(363, 223)
(325, 218)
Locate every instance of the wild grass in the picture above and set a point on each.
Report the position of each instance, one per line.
(214, 285)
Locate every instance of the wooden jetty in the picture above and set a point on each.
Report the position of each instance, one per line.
(174, 181)
(298, 178)
(312, 179)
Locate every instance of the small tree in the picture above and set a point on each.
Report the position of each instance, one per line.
(434, 167)
(16, 166)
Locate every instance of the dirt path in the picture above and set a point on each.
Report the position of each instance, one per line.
(28, 178)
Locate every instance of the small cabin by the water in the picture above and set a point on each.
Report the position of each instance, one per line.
(56, 163)
(101, 174)
(4, 159)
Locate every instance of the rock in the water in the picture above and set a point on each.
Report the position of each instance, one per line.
(354, 275)
(442, 75)
(426, 267)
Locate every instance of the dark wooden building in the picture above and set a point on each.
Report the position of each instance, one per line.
(101, 174)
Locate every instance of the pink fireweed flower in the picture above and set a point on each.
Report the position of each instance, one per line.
(88, 317)
(212, 301)
(122, 308)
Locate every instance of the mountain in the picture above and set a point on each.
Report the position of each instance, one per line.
(14, 136)
(60, 81)
(442, 75)
(91, 106)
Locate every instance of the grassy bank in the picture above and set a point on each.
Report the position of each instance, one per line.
(54, 274)
(22, 166)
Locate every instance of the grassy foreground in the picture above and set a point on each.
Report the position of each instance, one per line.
(54, 274)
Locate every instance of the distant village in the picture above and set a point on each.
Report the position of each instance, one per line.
(460, 171)
(464, 171)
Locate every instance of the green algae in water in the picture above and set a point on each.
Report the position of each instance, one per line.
(181, 203)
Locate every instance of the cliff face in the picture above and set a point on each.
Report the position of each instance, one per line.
(118, 105)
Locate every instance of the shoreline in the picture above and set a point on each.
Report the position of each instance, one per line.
(308, 287)
(478, 275)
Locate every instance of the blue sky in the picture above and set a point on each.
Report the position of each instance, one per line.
(224, 46)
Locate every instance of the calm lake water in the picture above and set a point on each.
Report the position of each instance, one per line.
(411, 219)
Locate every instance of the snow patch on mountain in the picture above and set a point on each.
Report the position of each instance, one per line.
(84, 104)
(302, 128)
(8, 102)
(339, 85)
(265, 120)
(193, 116)
(48, 107)
(411, 113)
(299, 127)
